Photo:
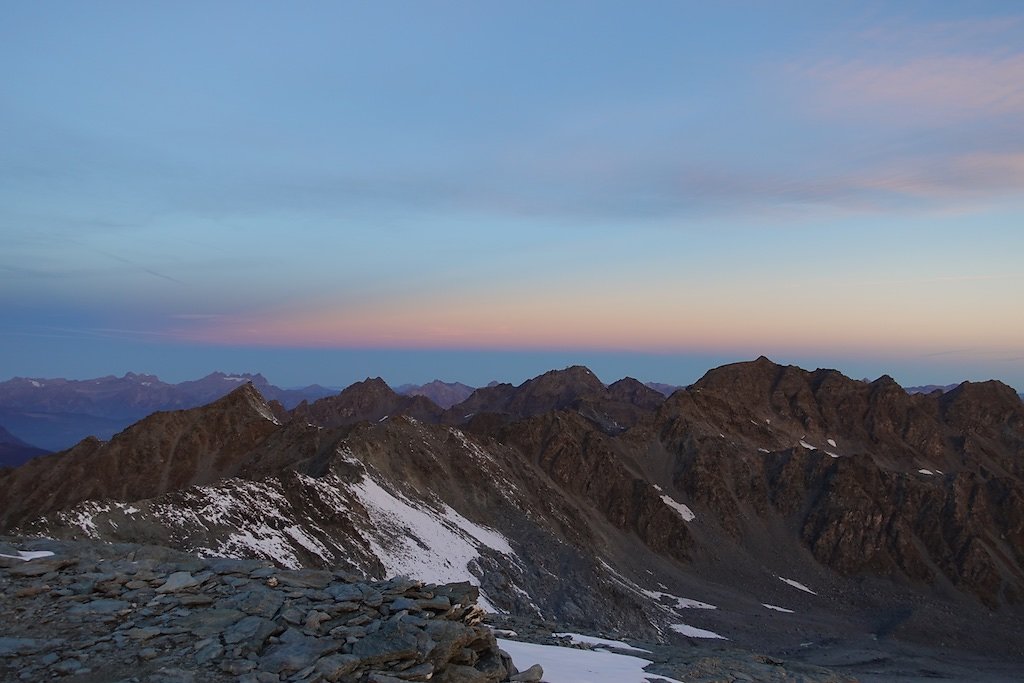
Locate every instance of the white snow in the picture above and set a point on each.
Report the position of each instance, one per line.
(421, 543)
(235, 379)
(27, 555)
(926, 472)
(807, 445)
(797, 585)
(35, 383)
(594, 640)
(693, 632)
(488, 537)
(763, 450)
(569, 665)
(834, 455)
(832, 443)
(776, 608)
(684, 512)
(680, 603)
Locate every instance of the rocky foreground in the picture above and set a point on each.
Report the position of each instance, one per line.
(95, 612)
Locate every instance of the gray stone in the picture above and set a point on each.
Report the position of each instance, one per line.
(208, 622)
(345, 592)
(258, 601)
(459, 673)
(381, 677)
(101, 606)
(439, 603)
(178, 581)
(395, 641)
(334, 667)
(67, 666)
(295, 652)
(252, 630)
(534, 674)
(306, 578)
(10, 647)
(172, 675)
(209, 652)
(237, 667)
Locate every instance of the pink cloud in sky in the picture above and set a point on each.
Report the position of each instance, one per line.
(936, 89)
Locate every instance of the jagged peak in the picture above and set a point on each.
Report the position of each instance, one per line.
(246, 397)
(990, 391)
(574, 374)
(370, 385)
(744, 372)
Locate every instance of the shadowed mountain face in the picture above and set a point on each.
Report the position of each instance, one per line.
(609, 506)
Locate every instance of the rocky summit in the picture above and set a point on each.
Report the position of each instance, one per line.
(802, 517)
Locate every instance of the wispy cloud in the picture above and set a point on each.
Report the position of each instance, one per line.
(934, 89)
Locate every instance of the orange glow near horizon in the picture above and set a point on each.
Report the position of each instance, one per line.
(808, 320)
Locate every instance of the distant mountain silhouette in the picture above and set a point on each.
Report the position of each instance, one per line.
(57, 413)
(444, 394)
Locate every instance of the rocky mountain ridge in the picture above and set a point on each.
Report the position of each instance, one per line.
(764, 504)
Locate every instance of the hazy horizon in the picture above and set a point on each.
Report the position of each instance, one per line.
(487, 191)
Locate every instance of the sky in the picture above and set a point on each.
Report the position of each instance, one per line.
(325, 191)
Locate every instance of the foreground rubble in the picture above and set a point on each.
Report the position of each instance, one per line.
(126, 612)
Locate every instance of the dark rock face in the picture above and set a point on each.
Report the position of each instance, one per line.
(917, 486)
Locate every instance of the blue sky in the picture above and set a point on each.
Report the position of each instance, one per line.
(476, 190)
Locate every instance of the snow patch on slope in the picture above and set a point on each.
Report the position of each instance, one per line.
(693, 632)
(435, 547)
(797, 585)
(685, 512)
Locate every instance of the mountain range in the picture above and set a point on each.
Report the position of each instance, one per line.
(801, 514)
(53, 414)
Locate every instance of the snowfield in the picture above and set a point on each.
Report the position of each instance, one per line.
(568, 665)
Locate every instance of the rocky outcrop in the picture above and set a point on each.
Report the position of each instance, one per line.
(371, 400)
(129, 612)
